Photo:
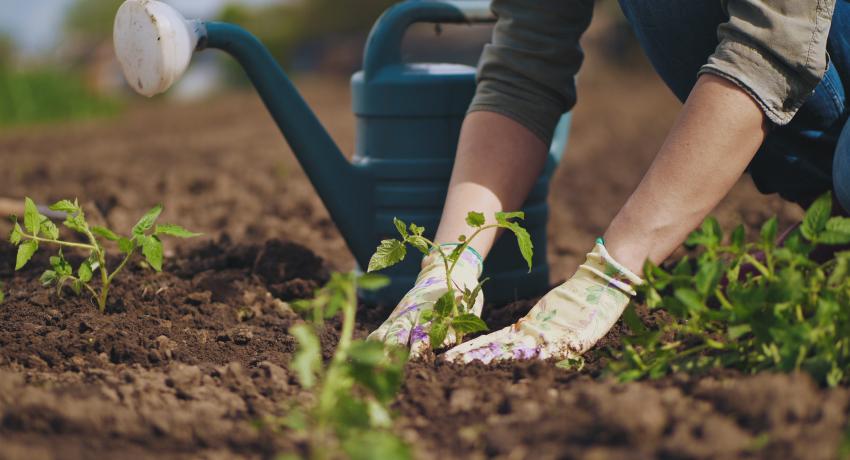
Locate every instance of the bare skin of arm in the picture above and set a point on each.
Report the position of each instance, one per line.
(717, 133)
(498, 160)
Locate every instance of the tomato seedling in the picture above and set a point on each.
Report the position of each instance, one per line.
(38, 230)
(749, 306)
(454, 309)
(351, 412)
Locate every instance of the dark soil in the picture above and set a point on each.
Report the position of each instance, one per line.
(185, 362)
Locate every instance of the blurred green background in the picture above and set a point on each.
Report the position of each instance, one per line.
(56, 59)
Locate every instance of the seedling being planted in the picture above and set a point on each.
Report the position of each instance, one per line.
(350, 416)
(38, 230)
(454, 310)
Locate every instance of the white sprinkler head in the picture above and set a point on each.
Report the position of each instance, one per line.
(154, 44)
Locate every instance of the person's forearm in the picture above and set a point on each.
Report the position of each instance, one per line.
(498, 160)
(716, 135)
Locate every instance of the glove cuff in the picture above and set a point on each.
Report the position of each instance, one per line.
(602, 264)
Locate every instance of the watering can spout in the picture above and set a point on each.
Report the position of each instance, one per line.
(154, 44)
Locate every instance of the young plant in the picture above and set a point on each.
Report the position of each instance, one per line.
(350, 414)
(38, 229)
(749, 306)
(454, 309)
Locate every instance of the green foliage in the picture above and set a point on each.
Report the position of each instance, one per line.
(452, 311)
(749, 306)
(2, 293)
(46, 94)
(38, 229)
(350, 414)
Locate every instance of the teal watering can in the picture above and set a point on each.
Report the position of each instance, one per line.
(408, 122)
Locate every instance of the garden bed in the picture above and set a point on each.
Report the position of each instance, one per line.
(185, 363)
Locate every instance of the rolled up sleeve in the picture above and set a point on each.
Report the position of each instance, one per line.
(528, 71)
(775, 50)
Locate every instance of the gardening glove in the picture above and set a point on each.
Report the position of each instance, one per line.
(566, 322)
(404, 326)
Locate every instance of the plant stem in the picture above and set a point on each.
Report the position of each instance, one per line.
(59, 242)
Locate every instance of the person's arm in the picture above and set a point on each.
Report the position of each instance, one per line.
(716, 135)
(771, 56)
(526, 81)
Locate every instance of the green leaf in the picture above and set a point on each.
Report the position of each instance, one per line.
(768, 232)
(504, 217)
(25, 253)
(571, 364)
(526, 247)
(375, 444)
(84, 273)
(32, 218)
(438, 333)
(735, 332)
(65, 206)
(389, 253)
(817, 216)
(368, 353)
(470, 296)
(146, 222)
(445, 304)
(48, 277)
(738, 238)
(632, 320)
(174, 230)
(420, 243)
(152, 250)
(401, 227)
(691, 300)
(838, 224)
(15, 236)
(76, 222)
(475, 219)
(468, 323)
(2, 293)
(49, 229)
(126, 245)
(707, 277)
(416, 230)
(830, 237)
(708, 235)
(372, 282)
(105, 232)
(308, 358)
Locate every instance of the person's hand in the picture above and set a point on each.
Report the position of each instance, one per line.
(566, 322)
(406, 326)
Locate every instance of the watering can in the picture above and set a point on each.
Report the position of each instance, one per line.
(408, 122)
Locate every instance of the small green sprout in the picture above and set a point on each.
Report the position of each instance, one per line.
(454, 309)
(351, 413)
(38, 230)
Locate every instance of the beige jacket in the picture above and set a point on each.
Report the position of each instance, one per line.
(773, 49)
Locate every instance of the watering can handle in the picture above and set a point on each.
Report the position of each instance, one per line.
(383, 47)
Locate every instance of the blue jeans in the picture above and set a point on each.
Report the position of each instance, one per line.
(800, 160)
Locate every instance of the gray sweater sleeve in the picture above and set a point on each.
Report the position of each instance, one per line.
(775, 50)
(528, 71)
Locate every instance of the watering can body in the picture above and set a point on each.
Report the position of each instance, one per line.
(408, 123)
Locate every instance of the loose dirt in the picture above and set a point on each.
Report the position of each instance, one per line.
(185, 363)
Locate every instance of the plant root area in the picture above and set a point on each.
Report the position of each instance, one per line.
(193, 362)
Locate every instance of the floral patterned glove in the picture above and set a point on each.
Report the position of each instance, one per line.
(404, 326)
(566, 322)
